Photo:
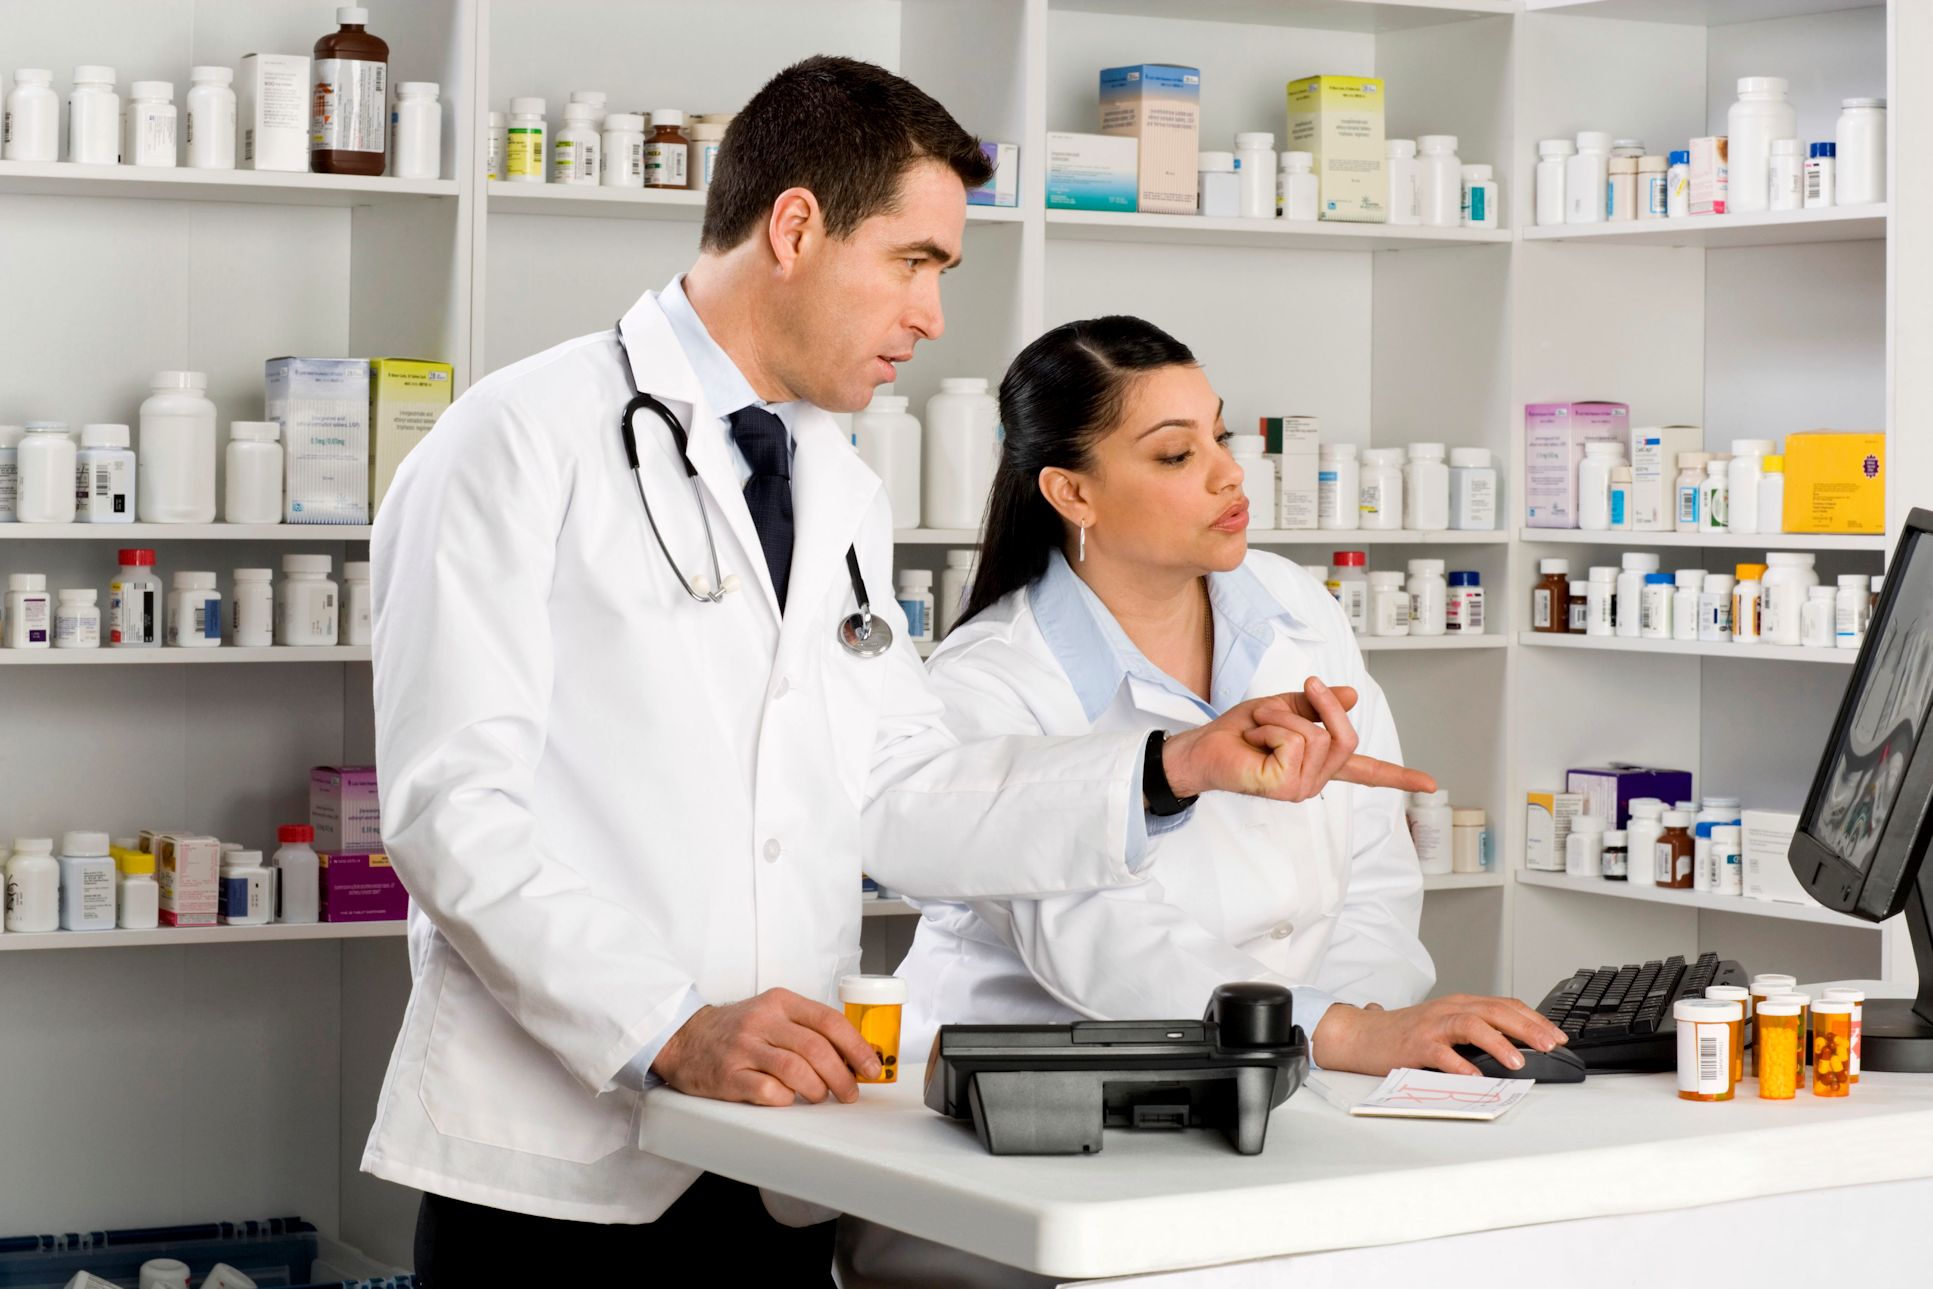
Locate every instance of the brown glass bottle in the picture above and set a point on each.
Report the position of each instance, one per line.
(667, 152)
(1550, 598)
(349, 122)
(1675, 847)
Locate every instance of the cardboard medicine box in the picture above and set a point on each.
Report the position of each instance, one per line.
(406, 396)
(1290, 442)
(322, 405)
(344, 809)
(1004, 188)
(1554, 439)
(1835, 483)
(272, 113)
(360, 886)
(1608, 791)
(1339, 119)
(1547, 826)
(188, 870)
(1092, 172)
(1160, 106)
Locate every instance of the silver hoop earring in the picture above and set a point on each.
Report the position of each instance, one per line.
(1082, 557)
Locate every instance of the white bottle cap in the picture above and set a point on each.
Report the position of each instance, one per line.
(87, 845)
(26, 581)
(1630, 145)
(1694, 460)
(498, 120)
(1399, 149)
(1690, 579)
(1426, 451)
(1426, 568)
(352, 16)
(104, 436)
(1604, 448)
(163, 90)
(1438, 143)
(418, 89)
(1470, 458)
(1386, 579)
(891, 403)
(1752, 447)
(1761, 85)
(165, 380)
(1437, 798)
(1384, 456)
(255, 431)
(1853, 582)
(1255, 140)
(624, 123)
(254, 575)
(1678, 818)
(33, 76)
(77, 595)
(915, 579)
(872, 991)
(1640, 562)
(46, 427)
(1842, 995)
(1774, 979)
(1603, 573)
(1705, 1009)
(1480, 173)
(1653, 165)
(961, 558)
(211, 75)
(963, 384)
(307, 564)
(33, 846)
(194, 581)
(1790, 559)
(1586, 823)
(239, 858)
(579, 113)
(663, 116)
(1298, 162)
(1553, 566)
(1468, 817)
(1556, 148)
(355, 570)
(93, 74)
(526, 107)
(1879, 103)
(1338, 451)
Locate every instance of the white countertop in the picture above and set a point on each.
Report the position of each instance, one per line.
(1155, 1201)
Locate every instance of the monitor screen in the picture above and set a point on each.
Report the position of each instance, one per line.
(1868, 763)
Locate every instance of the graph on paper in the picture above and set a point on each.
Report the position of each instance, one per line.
(1429, 1094)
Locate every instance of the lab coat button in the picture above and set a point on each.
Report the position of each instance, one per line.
(771, 850)
(1282, 932)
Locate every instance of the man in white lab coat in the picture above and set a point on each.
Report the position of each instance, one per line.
(629, 783)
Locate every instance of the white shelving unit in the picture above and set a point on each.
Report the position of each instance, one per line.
(181, 936)
(1700, 901)
(1692, 648)
(1760, 542)
(1745, 324)
(149, 534)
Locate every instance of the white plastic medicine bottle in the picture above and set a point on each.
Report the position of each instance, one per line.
(1761, 114)
(358, 603)
(194, 612)
(1587, 178)
(299, 871)
(252, 493)
(962, 450)
(416, 124)
(151, 125)
(1338, 487)
(33, 116)
(1399, 164)
(306, 607)
(47, 460)
(176, 462)
(887, 438)
(915, 595)
(1426, 489)
(252, 622)
(33, 886)
(211, 118)
(104, 476)
(94, 117)
(1439, 181)
(1553, 159)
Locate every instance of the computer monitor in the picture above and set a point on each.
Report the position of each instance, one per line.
(1863, 835)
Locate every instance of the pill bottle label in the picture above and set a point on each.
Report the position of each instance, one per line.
(1540, 609)
(1464, 611)
(351, 105)
(77, 631)
(916, 624)
(1687, 507)
(1354, 599)
(1371, 499)
(525, 149)
(133, 614)
(1704, 1058)
(664, 165)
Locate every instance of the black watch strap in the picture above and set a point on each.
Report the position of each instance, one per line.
(1162, 800)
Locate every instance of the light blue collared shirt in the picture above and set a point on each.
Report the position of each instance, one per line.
(724, 386)
(1099, 658)
(726, 390)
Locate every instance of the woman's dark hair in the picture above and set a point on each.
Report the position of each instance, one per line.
(1060, 397)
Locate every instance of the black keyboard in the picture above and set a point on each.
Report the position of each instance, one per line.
(1619, 1018)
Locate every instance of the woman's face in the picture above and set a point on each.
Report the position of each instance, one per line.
(1163, 491)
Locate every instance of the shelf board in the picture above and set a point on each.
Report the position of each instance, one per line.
(1766, 228)
(105, 657)
(893, 908)
(179, 935)
(133, 534)
(253, 187)
(1694, 13)
(1704, 903)
(1710, 541)
(1324, 15)
(1695, 648)
(1425, 644)
(936, 537)
(507, 198)
(1462, 881)
(1279, 234)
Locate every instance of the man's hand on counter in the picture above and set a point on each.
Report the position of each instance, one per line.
(1369, 1040)
(767, 1050)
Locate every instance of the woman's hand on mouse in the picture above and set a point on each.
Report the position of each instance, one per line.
(1287, 747)
(1373, 1041)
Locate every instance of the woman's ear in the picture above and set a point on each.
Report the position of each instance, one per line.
(1067, 493)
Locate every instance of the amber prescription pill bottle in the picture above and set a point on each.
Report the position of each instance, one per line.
(1831, 1047)
(1764, 985)
(1858, 1000)
(873, 1005)
(1778, 1050)
(1805, 1024)
(1707, 1029)
(1743, 997)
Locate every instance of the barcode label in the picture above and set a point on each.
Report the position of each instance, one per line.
(1708, 1059)
(1704, 1058)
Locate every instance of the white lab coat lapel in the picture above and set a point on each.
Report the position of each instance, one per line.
(831, 490)
(659, 366)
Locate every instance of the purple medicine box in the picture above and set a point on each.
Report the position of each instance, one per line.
(1554, 439)
(1609, 790)
(361, 888)
(343, 808)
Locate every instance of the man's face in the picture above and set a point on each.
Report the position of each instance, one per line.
(850, 311)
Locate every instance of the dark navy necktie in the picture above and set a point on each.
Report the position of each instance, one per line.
(761, 437)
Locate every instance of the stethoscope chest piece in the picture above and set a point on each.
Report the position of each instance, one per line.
(865, 639)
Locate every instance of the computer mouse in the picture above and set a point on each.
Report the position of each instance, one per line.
(1559, 1065)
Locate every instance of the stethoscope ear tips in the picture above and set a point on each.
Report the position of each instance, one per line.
(731, 584)
(701, 586)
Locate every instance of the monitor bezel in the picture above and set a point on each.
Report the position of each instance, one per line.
(1882, 889)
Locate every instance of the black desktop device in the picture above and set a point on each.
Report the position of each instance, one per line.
(1862, 837)
(1619, 1018)
(1050, 1089)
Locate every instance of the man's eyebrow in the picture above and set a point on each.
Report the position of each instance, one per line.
(932, 251)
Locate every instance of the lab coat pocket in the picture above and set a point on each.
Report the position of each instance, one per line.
(486, 1080)
(851, 688)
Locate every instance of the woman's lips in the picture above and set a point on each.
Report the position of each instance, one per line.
(1234, 519)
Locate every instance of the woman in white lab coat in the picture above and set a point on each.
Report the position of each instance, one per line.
(1116, 589)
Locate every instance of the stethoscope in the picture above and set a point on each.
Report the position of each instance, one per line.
(859, 634)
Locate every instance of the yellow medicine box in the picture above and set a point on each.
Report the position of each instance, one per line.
(406, 395)
(1339, 119)
(1835, 483)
